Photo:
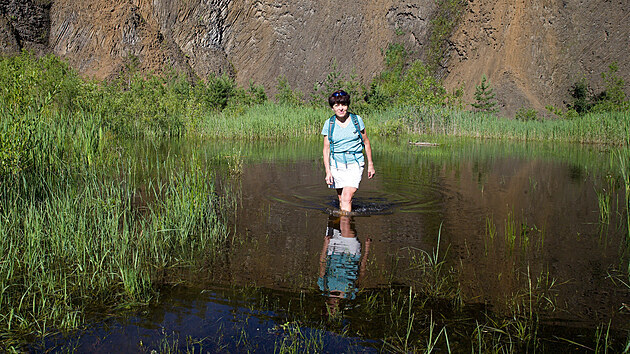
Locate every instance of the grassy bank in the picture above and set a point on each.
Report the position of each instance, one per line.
(602, 128)
(273, 122)
(141, 105)
(80, 231)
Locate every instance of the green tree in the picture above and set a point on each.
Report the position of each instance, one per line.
(337, 80)
(484, 97)
(611, 99)
(406, 82)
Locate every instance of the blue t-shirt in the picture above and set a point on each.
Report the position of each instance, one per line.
(346, 143)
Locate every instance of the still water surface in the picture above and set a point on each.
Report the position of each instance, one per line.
(509, 221)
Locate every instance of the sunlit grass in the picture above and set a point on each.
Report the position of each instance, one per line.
(272, 122)
(604, 128)
(89, 244)
(79, 230)
(266, 122)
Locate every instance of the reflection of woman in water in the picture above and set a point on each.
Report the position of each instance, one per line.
(342, 264)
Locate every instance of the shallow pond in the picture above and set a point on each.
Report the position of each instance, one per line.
(467, 245)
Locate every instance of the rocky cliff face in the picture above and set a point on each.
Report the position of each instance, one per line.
(532, 51)
(302, 39)
(24, 24)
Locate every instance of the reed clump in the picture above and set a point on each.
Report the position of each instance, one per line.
(591, 128)
(87, 244)
(79, 230)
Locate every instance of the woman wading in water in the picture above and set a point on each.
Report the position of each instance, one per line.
(344, 141)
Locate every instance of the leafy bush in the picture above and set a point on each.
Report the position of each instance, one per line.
(285, 95)
(447, 16)
(336, 80)
(15, 144)
(581, 97)
(403, 83)
(526, 114)
(611, 99)
(44, 84)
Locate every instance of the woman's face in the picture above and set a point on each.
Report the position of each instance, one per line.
(341, 110)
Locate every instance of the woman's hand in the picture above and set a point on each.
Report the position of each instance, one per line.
(371, 170)
(329, 178)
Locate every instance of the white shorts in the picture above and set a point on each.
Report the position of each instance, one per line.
(346, 175)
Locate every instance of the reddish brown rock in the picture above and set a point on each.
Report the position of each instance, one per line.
(531, 51)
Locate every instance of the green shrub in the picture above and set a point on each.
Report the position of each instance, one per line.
(16, 142)
(611, 99)
(285, 95)
(447, 16)
(336, 80)
(403, 83)
(580, 92)
(526, 114)
(556, 111)
(44, 84)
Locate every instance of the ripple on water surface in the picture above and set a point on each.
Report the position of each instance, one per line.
(406, 198)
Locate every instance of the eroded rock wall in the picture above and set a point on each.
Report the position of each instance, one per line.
(256, 41)
(532, 51)
(303, 40)
(24, 24)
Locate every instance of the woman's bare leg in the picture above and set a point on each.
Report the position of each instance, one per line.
(345, 198)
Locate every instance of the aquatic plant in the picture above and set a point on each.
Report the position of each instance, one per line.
(519, 330)
(603, 202)
(428, 272)
(84, 245)
(296, 340)
(79, 230)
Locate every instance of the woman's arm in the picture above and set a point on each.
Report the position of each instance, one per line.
(368, 154)
(326, 152)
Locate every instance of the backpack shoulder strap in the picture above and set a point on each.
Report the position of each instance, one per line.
(331, 128)
(355, 121)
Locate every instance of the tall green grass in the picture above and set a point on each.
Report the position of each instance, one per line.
(79, 230)
(266, 122)
(601, 128)
(624, 167)
(90, 244)
(278, 122)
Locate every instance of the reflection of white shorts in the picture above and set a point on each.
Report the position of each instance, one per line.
(346, 175)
